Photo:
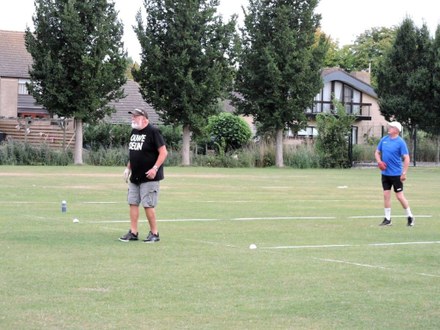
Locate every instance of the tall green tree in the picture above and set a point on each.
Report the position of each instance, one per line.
(78, 60)
(186, 62)
(405, 78)
(433, 117)
(280, 63)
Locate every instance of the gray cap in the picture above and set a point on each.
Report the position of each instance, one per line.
(138, 112)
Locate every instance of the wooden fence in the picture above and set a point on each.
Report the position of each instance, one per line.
(55, 133)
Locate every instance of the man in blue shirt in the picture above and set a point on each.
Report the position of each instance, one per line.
(389, 154)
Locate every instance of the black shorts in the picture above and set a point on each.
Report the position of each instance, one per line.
(392, 181)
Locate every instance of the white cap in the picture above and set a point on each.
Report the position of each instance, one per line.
(396, 125)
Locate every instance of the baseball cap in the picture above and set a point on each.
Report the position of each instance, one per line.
(396, 125)
(138, 112)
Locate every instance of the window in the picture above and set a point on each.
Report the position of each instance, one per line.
(22, 90)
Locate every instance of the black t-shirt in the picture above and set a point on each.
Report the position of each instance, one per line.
(143, 153)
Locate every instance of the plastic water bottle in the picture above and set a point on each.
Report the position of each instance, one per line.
(64, 206)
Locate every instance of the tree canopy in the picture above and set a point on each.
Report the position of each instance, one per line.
(280, 63)
(187, 62)
(78, 60)
(404, 76)
(364, 54)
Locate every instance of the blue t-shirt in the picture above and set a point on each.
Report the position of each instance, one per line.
(392, 151)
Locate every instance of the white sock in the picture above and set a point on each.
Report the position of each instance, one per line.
(388, 213)
(408, 212)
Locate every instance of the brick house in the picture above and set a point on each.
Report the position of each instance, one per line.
(22, 119)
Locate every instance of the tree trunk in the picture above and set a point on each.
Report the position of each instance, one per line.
(77, 158)
(279, 161)
(186, 140)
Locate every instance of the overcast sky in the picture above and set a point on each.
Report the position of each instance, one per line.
(343, 20)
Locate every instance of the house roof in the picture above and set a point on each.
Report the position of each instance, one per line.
(337, 74)
(15, 60)
(133, 100)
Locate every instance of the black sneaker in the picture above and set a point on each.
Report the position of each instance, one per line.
(410, 222)
(386, 222)
(129, 237)
(152, 238)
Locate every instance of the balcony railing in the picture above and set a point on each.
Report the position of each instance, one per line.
(360, 110)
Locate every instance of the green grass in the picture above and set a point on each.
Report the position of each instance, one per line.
(55, 274)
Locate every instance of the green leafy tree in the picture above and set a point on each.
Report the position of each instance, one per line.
(78, 60)
(364, 54)
(230, 130)
(432, 124)
(405, 78)
(186, 62)
(333, 55)
(332, 143)
(280, 63)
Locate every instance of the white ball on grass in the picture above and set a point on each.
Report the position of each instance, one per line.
(75, 220)
(252, 246)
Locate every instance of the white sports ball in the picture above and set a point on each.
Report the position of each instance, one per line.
(252, 246)
(75, 220)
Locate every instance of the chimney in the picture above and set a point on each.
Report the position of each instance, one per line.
(363, 76)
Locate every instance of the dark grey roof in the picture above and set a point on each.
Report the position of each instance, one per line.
(336, 74)
(15, 60)
(133, 100)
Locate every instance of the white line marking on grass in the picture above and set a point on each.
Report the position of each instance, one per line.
(233, 219)
(109, 221)
(163, 220)
(404, 243)
(103, 202)
(188, 220)
(381, 216)
(308, 246)
(210, 242)
(350, 263)
(284, 218)
(326, 246)
(368, 266)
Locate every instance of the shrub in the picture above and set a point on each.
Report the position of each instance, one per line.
(332, 141)
(228, 132)
(19, 153)
(105, 135)
(302, 156)
(364, 152)
(107, 157)
(172, 136)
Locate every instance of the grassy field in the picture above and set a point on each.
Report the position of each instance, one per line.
(322, 261)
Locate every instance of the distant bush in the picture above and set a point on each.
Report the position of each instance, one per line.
(19, 153)
(364, 152)
(105, 135)
(302, 156)
(107, 157)
(172, 136)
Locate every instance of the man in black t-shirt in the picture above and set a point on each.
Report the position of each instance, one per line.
(147, 153)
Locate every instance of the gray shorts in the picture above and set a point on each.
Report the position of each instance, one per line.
(146, 193)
